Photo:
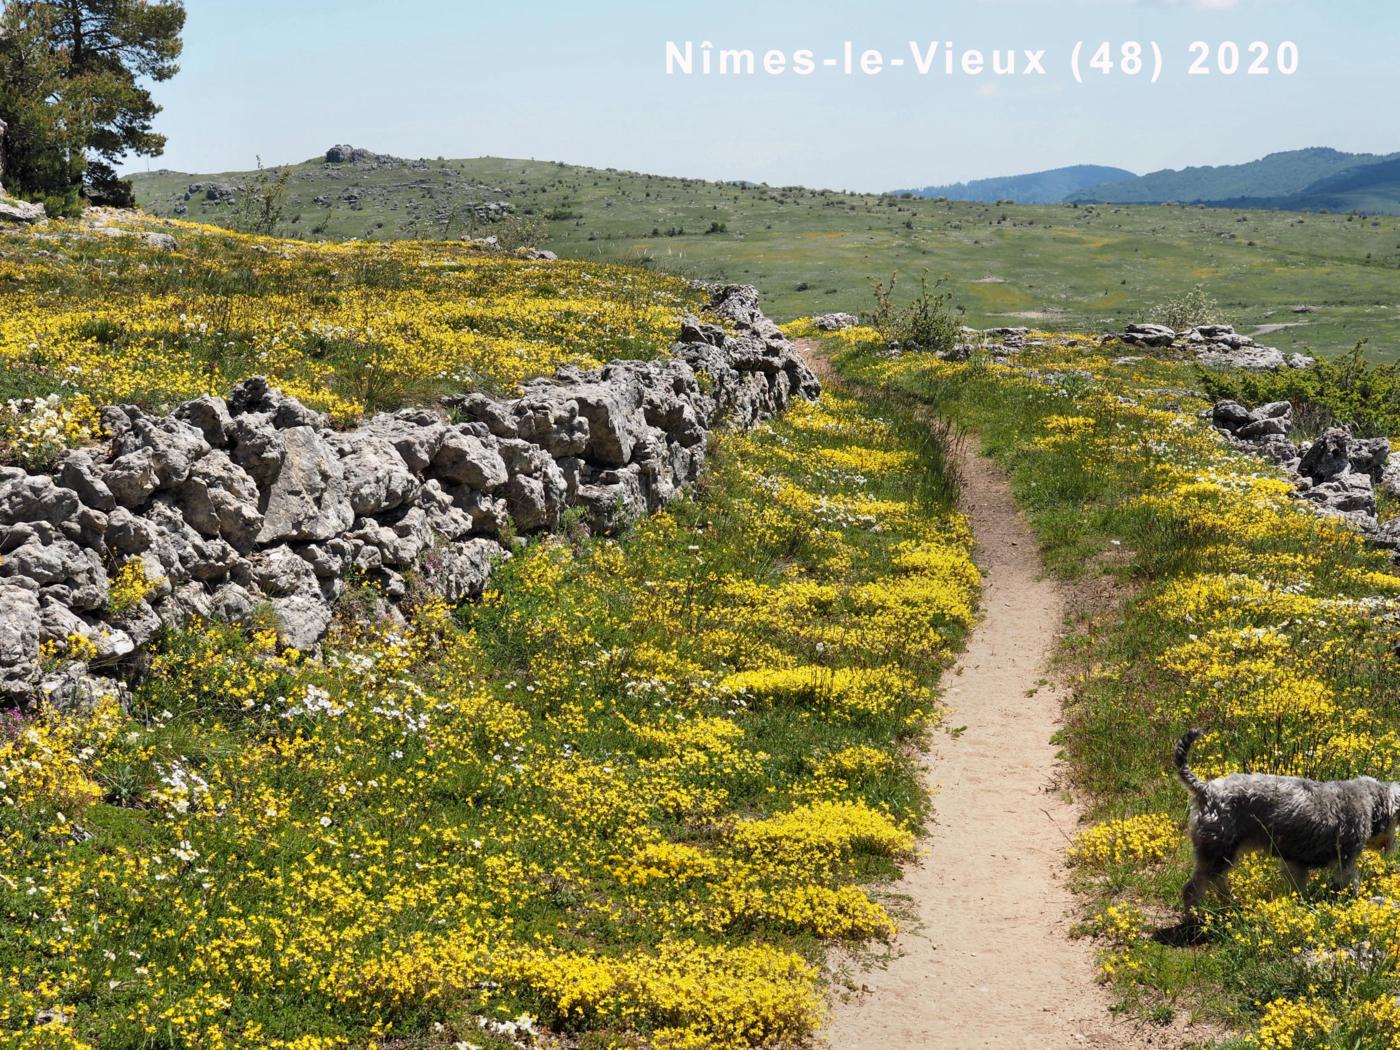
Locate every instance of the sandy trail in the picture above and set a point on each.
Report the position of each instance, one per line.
(987, 960)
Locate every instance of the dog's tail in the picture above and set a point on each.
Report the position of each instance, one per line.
(1193, 783)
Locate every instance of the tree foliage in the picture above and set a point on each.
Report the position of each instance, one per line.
(74, 78)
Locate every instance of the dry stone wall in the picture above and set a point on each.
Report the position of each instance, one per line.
(229, 504)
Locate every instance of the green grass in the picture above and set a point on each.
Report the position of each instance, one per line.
(811, 251)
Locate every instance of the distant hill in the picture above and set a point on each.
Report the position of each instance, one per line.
(1294, 180)
(1040, 187)
(813, 251)
(1368, 188)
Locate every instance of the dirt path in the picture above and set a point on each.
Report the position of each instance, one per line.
(989, 962)
(986, 959)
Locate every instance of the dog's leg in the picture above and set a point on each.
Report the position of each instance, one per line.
(1346, 876)
(1296, 875)
(1211, 876)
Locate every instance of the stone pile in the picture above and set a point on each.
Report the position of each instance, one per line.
(233, 504)
(1338, 473)
(1214, 345)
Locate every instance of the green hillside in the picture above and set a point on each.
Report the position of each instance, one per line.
(1041, 187)
(1368, 188)
(1277, 175)
(1057, 266)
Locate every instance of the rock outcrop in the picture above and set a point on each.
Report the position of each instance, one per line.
(1337, 473)
(254, 500)
(1214, 346)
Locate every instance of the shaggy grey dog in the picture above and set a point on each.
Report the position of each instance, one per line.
(1307, 824)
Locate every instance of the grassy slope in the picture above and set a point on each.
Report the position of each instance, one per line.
(348, 328)
(1069, 268)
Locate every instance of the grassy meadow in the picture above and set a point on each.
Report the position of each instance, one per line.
(628, 797)
(811, 251)
(94, 308)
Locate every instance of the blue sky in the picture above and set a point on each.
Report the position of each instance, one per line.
(586, 83)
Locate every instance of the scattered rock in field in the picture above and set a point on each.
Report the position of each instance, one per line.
(218, 192)
(1250, 358)
(1148, 335)
(12, 210)
(1215, 346)
(836, 322)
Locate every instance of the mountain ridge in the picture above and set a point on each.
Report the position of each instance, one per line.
(1285, 180)
(1038, 187)
(1315, 178)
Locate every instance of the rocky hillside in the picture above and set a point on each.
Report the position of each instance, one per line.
(348, 192)
(813, 251)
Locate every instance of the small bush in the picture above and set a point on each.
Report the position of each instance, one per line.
(930, 322)
(1187, 310)
(1348, 390)
(263, 202)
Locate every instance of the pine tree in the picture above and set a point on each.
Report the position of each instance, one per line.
(73, 77)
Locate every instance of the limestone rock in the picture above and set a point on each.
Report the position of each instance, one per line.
(77, 471)
(416, 435)
(131, 478)
(1328, 456)
(19, 640)
(257, 446)
(836, 322)
(1149, 335)
(12, 210)
(1250, 358)
(173, 444)
(220, 499)
(210, 416)
(466, 459)
(376, 477)
(34, 498)
(308, 498)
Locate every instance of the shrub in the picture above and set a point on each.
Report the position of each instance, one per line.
(263, 201)
(1347, 390)
(1186, 310)
(929, 322)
